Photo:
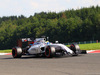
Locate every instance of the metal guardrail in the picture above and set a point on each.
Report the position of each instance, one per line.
(82, 42)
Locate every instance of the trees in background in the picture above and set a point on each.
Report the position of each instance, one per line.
(67, 26)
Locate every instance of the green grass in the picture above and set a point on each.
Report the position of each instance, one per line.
(6, 51)
(92, 46)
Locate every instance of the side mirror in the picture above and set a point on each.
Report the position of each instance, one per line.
(56, 42)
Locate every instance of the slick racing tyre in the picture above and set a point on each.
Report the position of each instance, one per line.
(16, 52)
(49, 51)
(75, 48)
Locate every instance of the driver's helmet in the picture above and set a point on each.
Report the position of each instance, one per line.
(47, 42)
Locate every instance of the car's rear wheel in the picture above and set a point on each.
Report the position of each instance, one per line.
(16, 52)
(75, 48)
(49, 51)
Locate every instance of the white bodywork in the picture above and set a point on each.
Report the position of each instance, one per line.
(65, 48)
(34, 49)
(40, 43)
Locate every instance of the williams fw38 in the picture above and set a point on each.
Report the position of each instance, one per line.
(41, 47)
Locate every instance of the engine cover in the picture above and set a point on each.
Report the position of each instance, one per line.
(34, 49)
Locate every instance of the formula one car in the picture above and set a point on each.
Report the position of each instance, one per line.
(41, 47)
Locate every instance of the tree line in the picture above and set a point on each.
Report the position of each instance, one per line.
(66, 26)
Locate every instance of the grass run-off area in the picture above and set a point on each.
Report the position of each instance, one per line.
(6, 51)
(92, 46)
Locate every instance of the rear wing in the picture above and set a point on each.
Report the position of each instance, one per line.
(24, 41)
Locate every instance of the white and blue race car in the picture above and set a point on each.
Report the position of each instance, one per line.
(41, 47)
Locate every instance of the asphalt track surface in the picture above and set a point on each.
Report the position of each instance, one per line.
(85, 64)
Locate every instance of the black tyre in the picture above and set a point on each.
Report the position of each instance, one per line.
(75, 48)
(16, 52)
(49, 51)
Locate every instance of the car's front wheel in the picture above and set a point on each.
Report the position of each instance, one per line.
(75, 48)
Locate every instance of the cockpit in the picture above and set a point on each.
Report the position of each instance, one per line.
(39, 41)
